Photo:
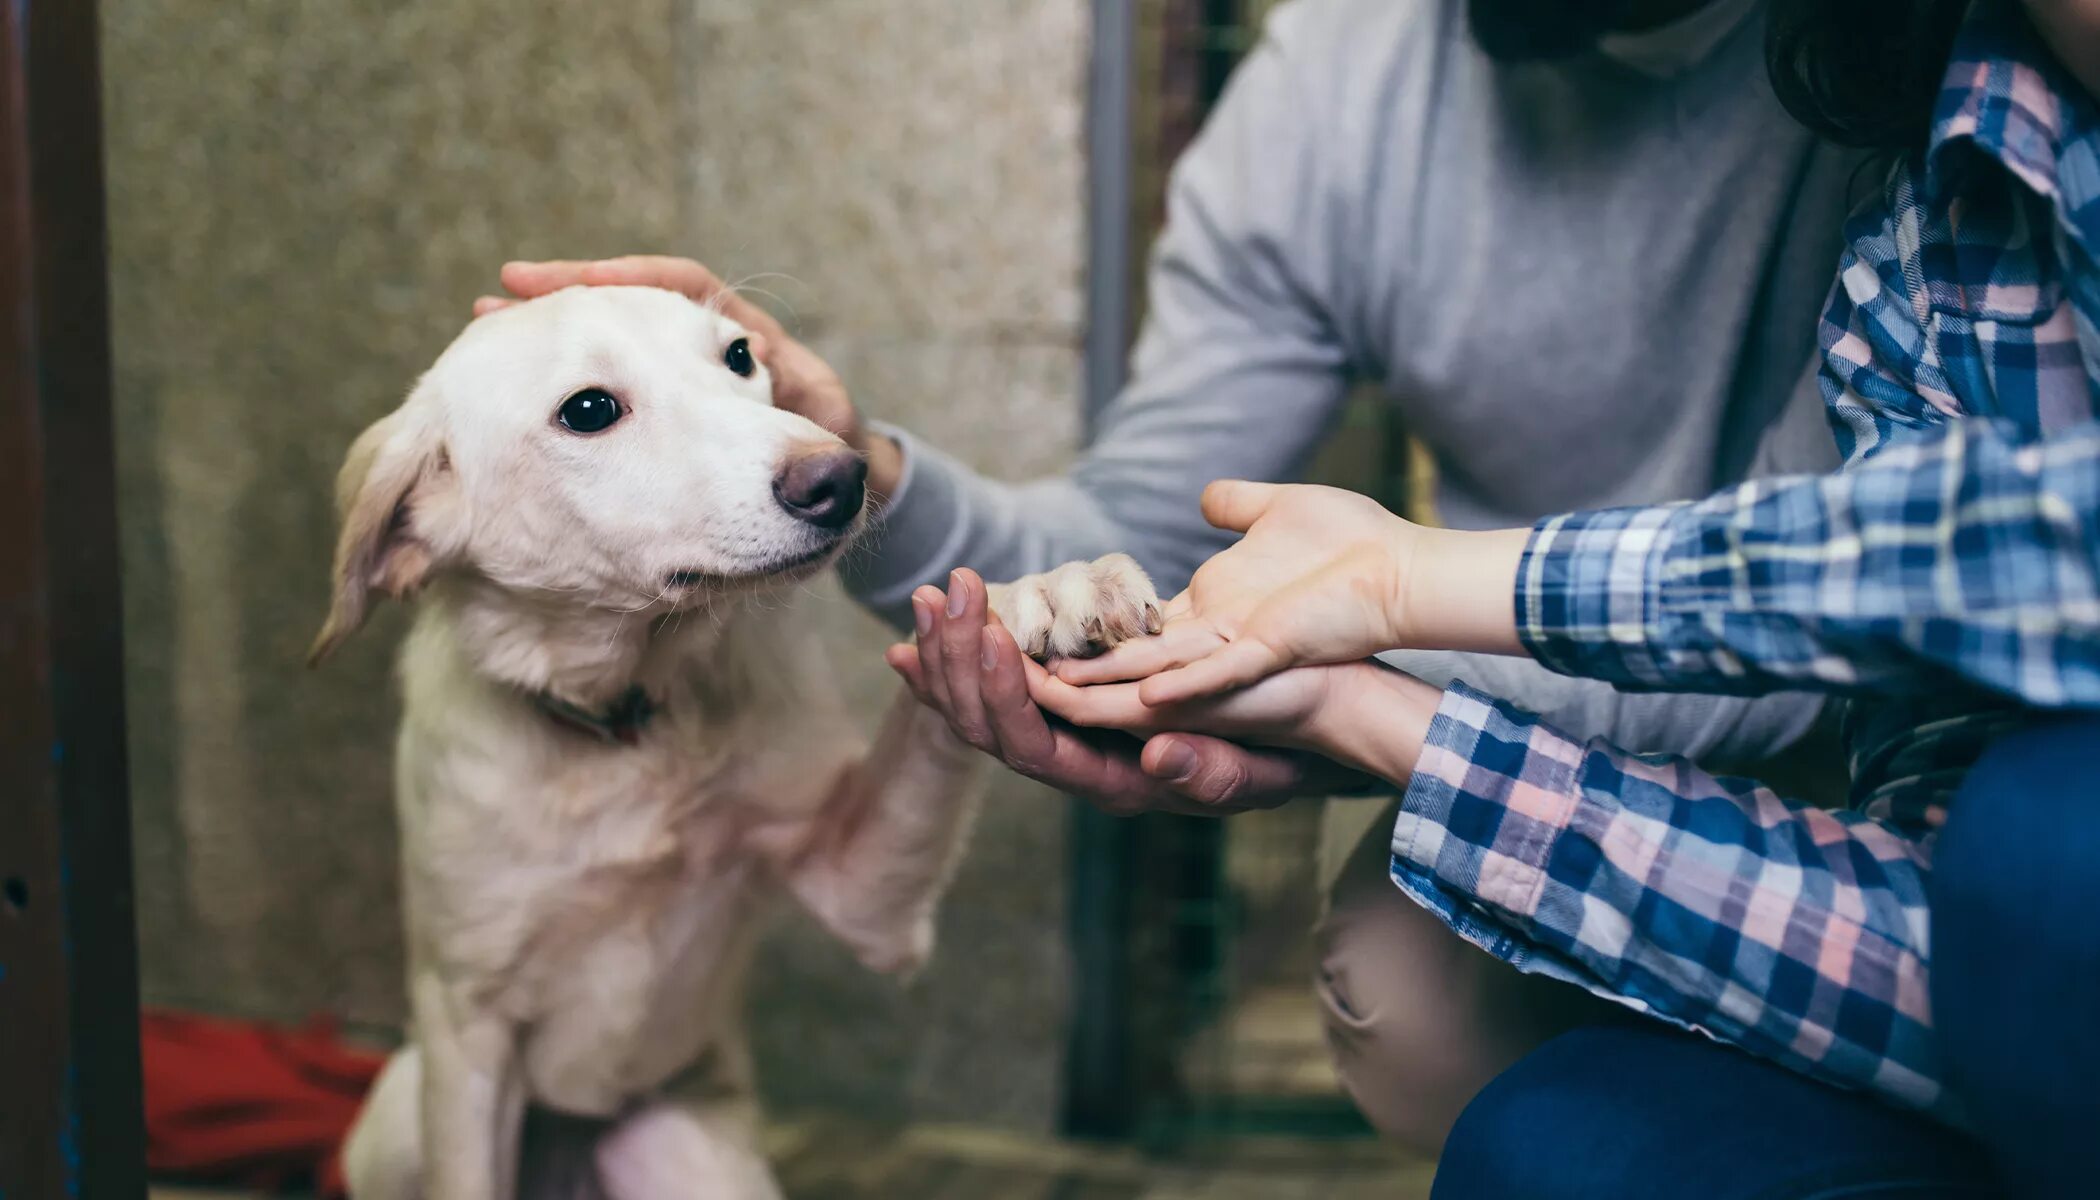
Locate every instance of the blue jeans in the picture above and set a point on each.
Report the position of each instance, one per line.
(1644, 1112)
(2016, 955)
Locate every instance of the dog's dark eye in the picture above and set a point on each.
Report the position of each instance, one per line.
(738, 357)
(589, 411)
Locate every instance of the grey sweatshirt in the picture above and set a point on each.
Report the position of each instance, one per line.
(1582, 284)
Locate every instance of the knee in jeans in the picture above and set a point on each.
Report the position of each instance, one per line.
(2024, 809)
(1507, 1144)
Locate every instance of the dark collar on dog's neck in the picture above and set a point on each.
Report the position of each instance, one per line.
(620, 722)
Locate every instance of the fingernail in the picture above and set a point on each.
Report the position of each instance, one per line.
(991, 649)
(1175, 762)
(922, 616)
(955, 594)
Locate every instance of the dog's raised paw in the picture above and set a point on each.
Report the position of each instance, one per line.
(1080, 609)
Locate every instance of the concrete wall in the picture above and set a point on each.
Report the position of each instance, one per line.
(306, 197)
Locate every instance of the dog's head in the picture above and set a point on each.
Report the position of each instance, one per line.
(614, 447)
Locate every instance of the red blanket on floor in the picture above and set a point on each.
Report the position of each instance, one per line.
(250, 1104)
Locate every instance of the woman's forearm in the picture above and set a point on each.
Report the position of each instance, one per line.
(1377, 724)
(1461, 590)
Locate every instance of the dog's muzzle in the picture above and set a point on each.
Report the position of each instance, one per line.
(825, 488)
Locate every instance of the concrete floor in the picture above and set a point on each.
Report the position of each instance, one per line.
(822, 1162)
(836, 1159)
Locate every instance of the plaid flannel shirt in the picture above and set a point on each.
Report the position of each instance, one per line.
(1945, 579)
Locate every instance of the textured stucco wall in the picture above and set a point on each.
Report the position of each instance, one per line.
(304, 200)
(906, 175)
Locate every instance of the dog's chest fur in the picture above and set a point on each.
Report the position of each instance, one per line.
(604, 897)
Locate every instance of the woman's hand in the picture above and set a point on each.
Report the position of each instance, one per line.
(802, 381)
(1322, 576)
(1359, 714)
(1252, 594)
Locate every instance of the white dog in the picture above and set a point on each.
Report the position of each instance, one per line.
(618, 744)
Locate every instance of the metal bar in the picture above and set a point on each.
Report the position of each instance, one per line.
(1098, 1098)
(70, 1123)
(1109, 170)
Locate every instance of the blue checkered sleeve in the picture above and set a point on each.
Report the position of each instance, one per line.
(1965, 552)
(1710, 903)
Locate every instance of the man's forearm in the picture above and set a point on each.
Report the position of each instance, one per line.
(942, 515)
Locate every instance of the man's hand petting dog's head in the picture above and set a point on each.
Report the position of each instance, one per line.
(803, 383)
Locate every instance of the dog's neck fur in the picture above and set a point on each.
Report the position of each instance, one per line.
(579, 655)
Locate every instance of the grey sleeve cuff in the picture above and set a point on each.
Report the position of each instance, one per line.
(915, 532)
(1726, 728)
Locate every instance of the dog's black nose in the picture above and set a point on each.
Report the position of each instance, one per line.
(825, 488)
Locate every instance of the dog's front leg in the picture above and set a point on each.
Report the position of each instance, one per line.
(872, 863)
(473, 1102)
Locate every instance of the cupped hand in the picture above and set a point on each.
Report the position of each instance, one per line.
(967, 667)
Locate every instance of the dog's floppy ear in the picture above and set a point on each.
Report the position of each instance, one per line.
(391, 470)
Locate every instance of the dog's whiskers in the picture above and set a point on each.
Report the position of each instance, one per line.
(741, 286)
(662, 593)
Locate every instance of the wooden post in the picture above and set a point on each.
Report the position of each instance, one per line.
(70, 1118)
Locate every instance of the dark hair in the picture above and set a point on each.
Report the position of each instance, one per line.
(1862, 72)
